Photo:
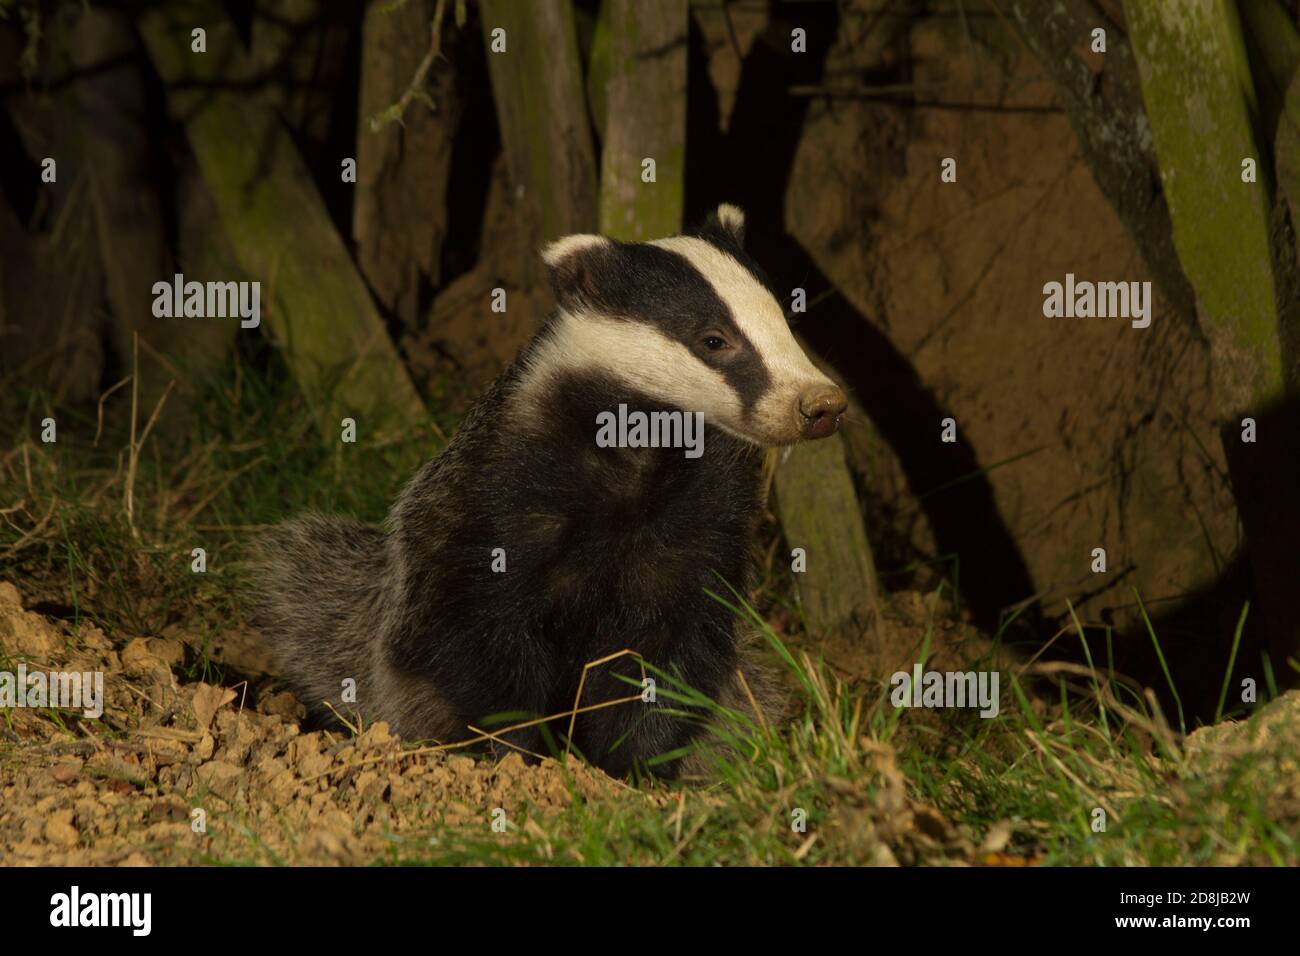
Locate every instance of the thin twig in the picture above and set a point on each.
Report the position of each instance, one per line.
(395, 112)
(35, 530)
(134, 460)
(469, 741)
(496, 738)
(346, 723)
(135, 402)
(221, 486)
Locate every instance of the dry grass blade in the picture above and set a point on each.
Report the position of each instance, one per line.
(758, 711)
(99, 414)
(496, 738)
(31, 534)
(1158, 728)
(1071, 775)
(133, 459)
(225, 483)
(582, 681)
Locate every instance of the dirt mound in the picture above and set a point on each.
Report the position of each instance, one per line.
(1274, 731)
(185, 773)
(177, 772)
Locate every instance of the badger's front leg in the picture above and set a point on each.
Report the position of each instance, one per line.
(641, 731)
(484, 680)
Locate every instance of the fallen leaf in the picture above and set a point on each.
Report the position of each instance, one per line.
(65, 772)
(208, 699)
(996, 840)
(1007, 859)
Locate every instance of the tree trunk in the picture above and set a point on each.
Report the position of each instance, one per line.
(52, 320)
(300, 47)
(820, 515)
(122, 171)
(314, 301)
(50, 289)
(538, 91)
(403, 169)
(645, 118)
(1105, 109)
(1223, 229)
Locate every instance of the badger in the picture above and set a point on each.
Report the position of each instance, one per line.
(526, 550)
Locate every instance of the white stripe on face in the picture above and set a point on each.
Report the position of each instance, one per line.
(755, 312)
(759, 317)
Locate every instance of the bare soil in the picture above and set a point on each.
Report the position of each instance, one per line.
(180, 771)
(123, 790)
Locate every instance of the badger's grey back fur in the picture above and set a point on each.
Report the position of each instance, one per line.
(322, 579)
(606, 548)
(324, 599)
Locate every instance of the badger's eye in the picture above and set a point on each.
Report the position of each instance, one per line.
(714, 343)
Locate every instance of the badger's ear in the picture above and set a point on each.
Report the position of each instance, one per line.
(574, 263)
(732, 219)
(726, 223)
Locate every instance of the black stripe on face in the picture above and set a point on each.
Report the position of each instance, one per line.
(638, 282)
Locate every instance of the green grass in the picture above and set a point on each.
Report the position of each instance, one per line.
(1043, 777)
(241, 456)
(1066, 743)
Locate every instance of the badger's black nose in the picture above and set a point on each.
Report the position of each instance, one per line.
(821, 407)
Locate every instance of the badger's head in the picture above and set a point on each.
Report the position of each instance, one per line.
(689, 321)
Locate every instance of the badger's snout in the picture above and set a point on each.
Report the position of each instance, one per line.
(821, 407)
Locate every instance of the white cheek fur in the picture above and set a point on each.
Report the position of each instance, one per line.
(636, 354)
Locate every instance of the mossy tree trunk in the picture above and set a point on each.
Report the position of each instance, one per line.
(128, 212)
(538, 91)
(1206, 122)
(313, 299)
(1274, 46)
(821, 518)
(641, 48)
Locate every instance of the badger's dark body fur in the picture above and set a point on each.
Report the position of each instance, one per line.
(605, 549)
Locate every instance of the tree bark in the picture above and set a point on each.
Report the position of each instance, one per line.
(52, 320)
(645, 110)
(50, 289)
(1223, 230)
(123, 175)
(538, 91)
(314, 300)
(300, 47)
(403, 170)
